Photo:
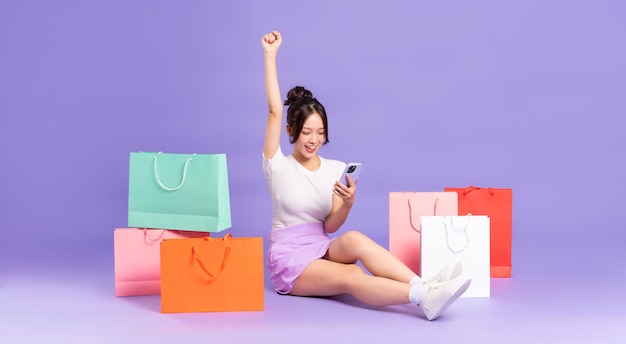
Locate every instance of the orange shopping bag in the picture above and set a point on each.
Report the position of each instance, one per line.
(405, 210)
(212, 275)
(498, 205)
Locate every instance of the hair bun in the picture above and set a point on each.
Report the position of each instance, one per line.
(296, 94)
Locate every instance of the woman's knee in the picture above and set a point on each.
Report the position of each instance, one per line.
(358, 241)
(353, 277)
(349, 247)
(356, 238)
(351, 273)
(354, 270)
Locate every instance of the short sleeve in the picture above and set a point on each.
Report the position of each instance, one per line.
(270, 166)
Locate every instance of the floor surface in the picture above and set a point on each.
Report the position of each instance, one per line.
(547, 300)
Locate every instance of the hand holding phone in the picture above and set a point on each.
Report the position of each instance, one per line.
(353, 169)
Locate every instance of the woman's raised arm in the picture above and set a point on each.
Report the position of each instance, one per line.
(271, 42)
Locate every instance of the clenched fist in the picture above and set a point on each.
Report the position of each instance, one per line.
(271, 41)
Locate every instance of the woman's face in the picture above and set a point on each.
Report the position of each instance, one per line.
(311, 138)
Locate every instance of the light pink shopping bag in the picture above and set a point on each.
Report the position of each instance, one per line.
(405, 210)
(138, 259)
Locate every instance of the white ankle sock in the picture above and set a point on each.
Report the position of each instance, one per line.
(416, 280)
(418, 293)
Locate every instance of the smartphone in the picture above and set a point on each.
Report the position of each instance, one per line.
(353, 169)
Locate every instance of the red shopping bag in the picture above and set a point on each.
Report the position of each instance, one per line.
(405, 210)
(497, 203)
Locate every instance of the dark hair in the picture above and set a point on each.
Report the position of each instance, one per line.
(302, 105)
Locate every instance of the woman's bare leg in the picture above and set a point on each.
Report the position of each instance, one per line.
(326, 278)
(337, 274)
(354, 246)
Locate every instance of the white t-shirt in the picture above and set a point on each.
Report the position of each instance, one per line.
(299, 195)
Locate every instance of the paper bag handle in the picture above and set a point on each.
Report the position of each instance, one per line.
(145, 234)
(198, 259)
(156, 175)
(472, 188)
(411, 212)
(454, 228)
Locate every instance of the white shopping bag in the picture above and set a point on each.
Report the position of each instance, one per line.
(463, 238)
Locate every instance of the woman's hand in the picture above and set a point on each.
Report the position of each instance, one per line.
(340, 210)
(271, 42)
(345, 192)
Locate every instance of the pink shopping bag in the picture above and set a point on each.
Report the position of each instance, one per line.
(137, 258)
(405, 210)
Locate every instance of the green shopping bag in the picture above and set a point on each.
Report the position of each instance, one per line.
(178, 191)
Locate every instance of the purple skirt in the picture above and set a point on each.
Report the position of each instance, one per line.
(292, 249)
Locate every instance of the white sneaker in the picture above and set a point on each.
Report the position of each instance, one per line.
(449, 272)
(441, 295)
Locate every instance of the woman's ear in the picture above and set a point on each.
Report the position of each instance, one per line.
(289, 131)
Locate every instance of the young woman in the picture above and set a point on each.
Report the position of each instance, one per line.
(309, 202)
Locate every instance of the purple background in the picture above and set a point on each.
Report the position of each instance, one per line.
(522, 94)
